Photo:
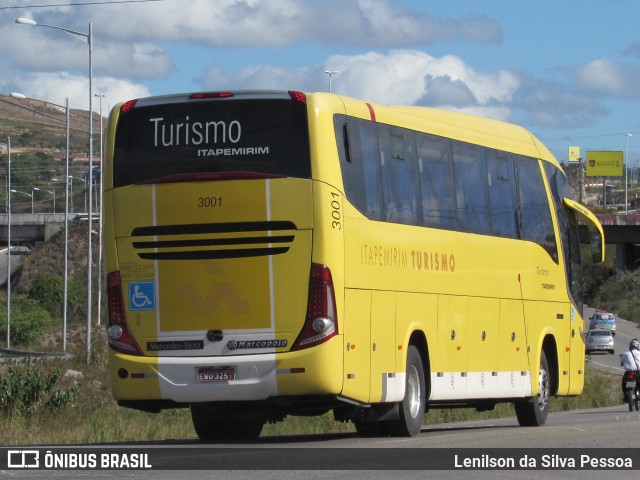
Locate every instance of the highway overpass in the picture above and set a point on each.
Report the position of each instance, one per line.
(34, 227)
(623, 230)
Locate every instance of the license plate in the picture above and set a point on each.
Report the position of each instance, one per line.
(215, 374)
(631, 384)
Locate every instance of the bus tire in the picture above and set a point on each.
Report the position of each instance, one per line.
(533, 412)
(220, 427)
(413, 404)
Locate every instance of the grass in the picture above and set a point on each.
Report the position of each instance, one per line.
(96, 418)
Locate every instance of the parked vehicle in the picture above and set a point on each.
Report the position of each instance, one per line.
(599, 340)
(603, 320)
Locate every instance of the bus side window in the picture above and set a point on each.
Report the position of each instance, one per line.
(368, 139)
(360, 170)
(399, 175)
(502, 194)
(471, 187)
(437, 187)
(536, 225)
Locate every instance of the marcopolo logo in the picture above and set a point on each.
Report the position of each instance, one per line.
(235, 344)
(23, 459)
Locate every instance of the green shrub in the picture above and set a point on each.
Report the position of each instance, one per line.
(29, 320)
(48, 290)
(30, 389)
(620, 295)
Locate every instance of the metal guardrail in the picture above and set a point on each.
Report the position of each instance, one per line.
(8, 355)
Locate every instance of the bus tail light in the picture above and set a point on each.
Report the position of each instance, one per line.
(120, 338)
(298, 96)
(128, 106)
(321, 322)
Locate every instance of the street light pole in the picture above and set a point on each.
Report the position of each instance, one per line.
(9, 244)
(66, 237)
(89, 37)
(100, 96)
(90, 251)
(626, 183)
(331, 73)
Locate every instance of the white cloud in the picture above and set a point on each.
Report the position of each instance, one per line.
(136, 61)
(556, 105)
(405, 77)
(410, 77)
(35, 49)
(31, 49)
(608, 77)
(130, 41)
(283, 22)
(402, 77)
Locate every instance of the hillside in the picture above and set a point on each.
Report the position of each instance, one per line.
(37, 133)
(36, 124)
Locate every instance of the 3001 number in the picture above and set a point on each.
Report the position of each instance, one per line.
(209, 202)
(336, 214)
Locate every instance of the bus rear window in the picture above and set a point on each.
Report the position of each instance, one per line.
(187, 141)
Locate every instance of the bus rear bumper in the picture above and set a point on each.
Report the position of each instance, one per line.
(314, 371)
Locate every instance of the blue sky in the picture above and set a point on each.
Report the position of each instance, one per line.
(567, 70)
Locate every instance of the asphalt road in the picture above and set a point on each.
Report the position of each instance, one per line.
(599, 433)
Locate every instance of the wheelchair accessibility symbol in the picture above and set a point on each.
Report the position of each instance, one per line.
(142, 296)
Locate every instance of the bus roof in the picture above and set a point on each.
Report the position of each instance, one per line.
(461, 126)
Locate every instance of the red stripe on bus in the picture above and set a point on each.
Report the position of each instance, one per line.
(371, 112)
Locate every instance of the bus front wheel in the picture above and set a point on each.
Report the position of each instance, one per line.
(412, 406)
(533, 412)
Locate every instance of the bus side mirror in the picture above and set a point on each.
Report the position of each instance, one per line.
(596, 233)
(596, 247)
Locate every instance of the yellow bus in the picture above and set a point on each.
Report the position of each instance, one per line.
(274, 253)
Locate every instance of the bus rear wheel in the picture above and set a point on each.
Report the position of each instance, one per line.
(412, 406)
(533, 412)
(218, 427)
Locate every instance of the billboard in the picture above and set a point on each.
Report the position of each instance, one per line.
(574, 154)
(605, 164)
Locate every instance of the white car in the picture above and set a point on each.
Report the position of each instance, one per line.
(599, 340)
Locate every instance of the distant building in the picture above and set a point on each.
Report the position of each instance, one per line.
(76, 157)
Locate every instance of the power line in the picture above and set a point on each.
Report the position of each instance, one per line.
(107, 2)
